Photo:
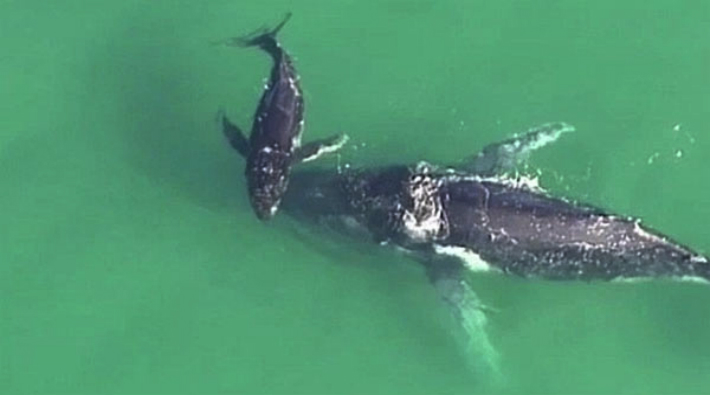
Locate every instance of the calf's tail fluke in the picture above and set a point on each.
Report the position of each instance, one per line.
(263, 38)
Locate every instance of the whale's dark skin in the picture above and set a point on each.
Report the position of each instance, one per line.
(520, 230)
(274, 144)
(443, 216)
(514, 228)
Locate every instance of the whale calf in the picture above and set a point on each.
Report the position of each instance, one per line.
(274, 145)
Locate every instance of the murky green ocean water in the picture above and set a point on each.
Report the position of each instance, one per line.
(130, 261)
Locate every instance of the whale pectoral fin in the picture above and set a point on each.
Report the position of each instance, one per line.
(318, 148)
(504, 156)
(234, 134)
(448, 279)
(468, 313)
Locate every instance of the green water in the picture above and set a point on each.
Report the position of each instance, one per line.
(130, 261)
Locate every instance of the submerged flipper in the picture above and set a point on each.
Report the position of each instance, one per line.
(469, 314)
(318, 148)
(504, 156)
(234, 134)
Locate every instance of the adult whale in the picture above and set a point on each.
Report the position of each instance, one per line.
(511, 225)
(469, 216)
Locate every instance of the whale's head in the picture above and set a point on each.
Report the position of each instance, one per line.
(267, 180)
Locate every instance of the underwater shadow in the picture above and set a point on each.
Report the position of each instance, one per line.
(168, 133)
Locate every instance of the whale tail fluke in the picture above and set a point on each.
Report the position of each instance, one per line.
(263, 38)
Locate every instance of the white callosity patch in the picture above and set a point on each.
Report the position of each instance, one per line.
(424, 219)
(470, 259)
(420, 230)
